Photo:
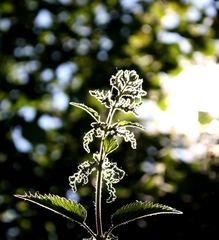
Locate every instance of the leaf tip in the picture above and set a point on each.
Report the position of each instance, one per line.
(19, 196)
(178, 212)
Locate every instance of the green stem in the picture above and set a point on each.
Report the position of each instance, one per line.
(98, 195)
(99, 181)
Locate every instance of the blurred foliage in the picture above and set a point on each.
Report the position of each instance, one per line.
(54, 51)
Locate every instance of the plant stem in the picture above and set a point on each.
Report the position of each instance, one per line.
(99, 181)
(98, 195)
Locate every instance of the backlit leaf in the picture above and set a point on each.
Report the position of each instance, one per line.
(94, 114)
(110, 144)
(139, 210)
(60, 205)
(130, 124)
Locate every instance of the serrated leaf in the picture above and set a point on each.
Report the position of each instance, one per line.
(60, 205)
(130, 124)
(110, 144)
(94, 114)
(137, 210)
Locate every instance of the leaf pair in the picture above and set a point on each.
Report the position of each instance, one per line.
(76, 212)
(110, 142)
(118, 129)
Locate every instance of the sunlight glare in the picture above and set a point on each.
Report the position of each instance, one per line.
(194, 90)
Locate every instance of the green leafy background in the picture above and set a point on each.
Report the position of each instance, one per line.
(77, 48)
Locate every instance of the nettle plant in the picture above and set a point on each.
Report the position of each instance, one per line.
(125, 95)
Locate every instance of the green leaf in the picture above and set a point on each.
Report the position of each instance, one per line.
(65, 207)
(110, 144)
(94, 114)
(139, 210)
(130, 124)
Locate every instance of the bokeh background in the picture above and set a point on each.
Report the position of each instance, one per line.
(52, 52)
